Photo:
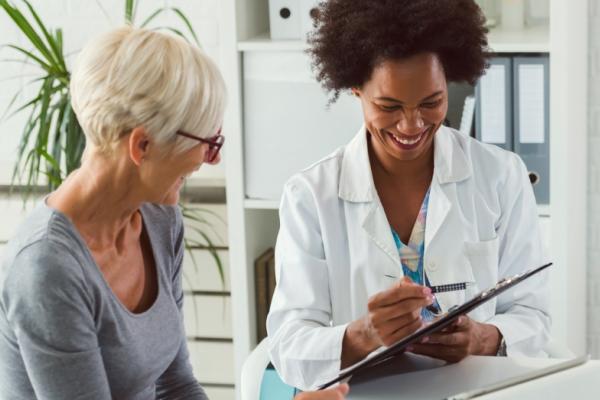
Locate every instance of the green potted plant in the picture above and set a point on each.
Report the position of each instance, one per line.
(52, 141)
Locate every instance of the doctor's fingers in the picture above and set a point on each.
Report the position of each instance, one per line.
(390, 327)
(456, 339)
(405, 307)
(398, 293)
(401, 332)
(440, 351)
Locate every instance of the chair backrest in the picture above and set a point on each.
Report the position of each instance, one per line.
(260, 381)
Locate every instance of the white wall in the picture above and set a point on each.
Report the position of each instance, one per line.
(593, 256)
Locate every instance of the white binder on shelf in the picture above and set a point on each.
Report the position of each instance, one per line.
(531, 122)
(308, 11)
(285, 19)
(493, 116)
(466, 120)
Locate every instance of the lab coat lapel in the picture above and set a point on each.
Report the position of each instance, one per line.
(357, 186)
(450, 166)
(437, 211)
(378, 229)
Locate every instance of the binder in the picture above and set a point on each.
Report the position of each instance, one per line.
(466, 120)
(285, 19)
(262, 291)
(493, 114)
(458, 92)
(308, 9)
(531, 122)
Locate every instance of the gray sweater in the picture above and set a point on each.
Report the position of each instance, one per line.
(65, 335)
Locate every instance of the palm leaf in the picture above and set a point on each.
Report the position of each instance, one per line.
(130, 11)
(54, 50)
(30, 55)
(152, 16)
(186, 21)
(29, 32)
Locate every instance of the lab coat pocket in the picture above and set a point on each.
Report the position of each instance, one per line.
(458, 270)
(483, 257)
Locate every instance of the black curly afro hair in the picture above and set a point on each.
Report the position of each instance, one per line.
(352, 37)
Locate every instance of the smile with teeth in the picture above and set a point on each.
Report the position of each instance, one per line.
(408, 142)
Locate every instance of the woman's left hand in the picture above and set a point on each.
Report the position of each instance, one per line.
(459, 340)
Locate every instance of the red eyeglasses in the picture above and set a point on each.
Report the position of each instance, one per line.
(214, 143)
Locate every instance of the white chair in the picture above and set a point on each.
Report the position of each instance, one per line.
(555, 349)
(253, 370)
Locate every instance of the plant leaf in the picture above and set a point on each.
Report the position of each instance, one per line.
(25, 27)
(186, 21)
(129, 11)
(30, 55)
(55, 52)
(152, 16)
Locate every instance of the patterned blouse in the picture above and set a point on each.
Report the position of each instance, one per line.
(411, 254)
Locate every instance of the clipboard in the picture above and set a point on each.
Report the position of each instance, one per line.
(440, 323)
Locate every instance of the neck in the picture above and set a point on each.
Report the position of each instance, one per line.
(101, 201)
(410, 172)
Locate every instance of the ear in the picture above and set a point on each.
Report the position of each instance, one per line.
(355, 92)
(139, 145)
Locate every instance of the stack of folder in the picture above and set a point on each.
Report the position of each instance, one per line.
(512, 111)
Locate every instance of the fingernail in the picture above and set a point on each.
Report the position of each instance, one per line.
(426, 291)
(425, 339)
(430, 299)
(409, 348)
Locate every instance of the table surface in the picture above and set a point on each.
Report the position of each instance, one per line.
(416, 377)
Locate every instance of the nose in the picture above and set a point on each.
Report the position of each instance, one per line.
(410, 122)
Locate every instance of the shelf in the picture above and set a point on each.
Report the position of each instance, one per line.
(263, 42)
(530, 40)
(261, 204)
(544, 210)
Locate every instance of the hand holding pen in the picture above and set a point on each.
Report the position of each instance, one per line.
(392, 314)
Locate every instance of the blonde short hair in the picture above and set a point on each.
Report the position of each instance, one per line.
(133, 77)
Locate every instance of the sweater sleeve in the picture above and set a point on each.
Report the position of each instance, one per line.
(51, 313)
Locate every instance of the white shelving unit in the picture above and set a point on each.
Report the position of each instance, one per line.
(253, 223)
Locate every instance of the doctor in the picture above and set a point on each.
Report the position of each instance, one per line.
(406, 205)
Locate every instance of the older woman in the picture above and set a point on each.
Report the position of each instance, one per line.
(90, 287)
(408, 204)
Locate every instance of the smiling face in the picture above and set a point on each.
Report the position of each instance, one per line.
(163, 172)
(404, 103)
(176, 168)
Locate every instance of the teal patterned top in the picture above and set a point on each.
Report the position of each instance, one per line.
(412, 253)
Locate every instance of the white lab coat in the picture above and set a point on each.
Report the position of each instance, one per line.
(335, 247)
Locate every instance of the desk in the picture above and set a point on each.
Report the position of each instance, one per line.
(416, 377)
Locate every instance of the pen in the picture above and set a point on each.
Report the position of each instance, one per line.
(450, 287)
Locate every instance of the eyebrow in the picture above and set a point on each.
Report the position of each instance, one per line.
(401, 102)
